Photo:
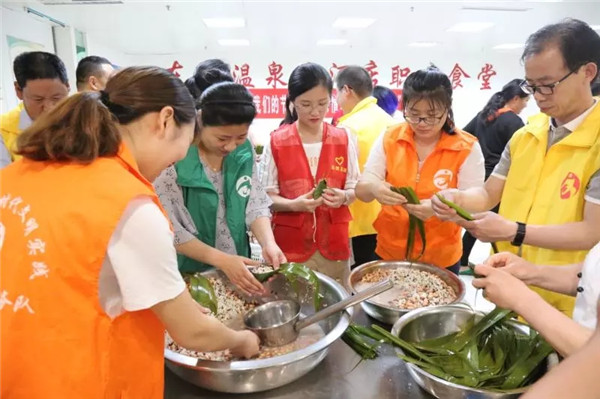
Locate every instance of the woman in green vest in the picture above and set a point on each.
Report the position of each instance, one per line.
(213, 195)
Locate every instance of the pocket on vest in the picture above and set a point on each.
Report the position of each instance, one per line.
(288, 219)
(340, 215)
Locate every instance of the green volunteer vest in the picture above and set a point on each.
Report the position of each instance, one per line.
(201, 200)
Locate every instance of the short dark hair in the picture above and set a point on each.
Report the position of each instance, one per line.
(386, 99)
(89, 66)
(596, 88)
(38, 65)
(226, 103)
(432, 85)
(576, 40)
(357, 78)
(302, 79)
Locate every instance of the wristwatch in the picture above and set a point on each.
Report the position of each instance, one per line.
(520, 236)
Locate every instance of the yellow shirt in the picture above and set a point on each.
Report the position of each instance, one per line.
(9, 127)
(548, 188)
(367, 121)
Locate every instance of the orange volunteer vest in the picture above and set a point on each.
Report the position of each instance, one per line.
(56, 341)
(439, 172)
(295, 232)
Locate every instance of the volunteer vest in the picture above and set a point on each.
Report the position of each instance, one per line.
(56, 341)
(301, 234)
(548, 188)
(439, 172)
(367, 121)
(202, 201)
(9, 126)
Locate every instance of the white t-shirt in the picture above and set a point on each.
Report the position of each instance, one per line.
(267, 170)
(586, 301)
(140, 269)
(471, 173)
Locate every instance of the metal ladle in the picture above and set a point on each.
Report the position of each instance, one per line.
(276, 323)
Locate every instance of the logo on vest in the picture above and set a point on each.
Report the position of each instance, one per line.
(442, 178)
(569, 186)
(339, 167)
(243, 186)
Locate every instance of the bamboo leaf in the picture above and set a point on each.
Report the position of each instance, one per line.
(202, 291)
(321, 186)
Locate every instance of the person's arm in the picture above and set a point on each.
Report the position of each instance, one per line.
(372, 184)
(507, 291)
(575, 377)
(143, 259)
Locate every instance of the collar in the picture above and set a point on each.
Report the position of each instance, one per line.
(574, 124)
(362, 104)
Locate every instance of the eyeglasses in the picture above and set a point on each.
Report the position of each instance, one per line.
(545, 90)
(429, 120)
(311, 107)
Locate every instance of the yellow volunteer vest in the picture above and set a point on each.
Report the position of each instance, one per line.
(367, 120)
(545, 188)
(9, 126)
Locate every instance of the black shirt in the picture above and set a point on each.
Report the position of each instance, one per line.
(494, 136)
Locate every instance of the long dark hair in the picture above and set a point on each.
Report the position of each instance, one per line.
(500, 98)
(432, 85)
(84, 126)
(208, 73)
(302, 79)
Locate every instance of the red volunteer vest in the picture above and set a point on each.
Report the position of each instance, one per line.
(56, 341)
(296, 232)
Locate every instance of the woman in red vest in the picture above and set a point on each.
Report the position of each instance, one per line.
(429, 154)
(89, 278)
(301, 153)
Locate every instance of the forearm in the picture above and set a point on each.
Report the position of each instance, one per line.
(261, 228)
(201, 252)
(561, 279)
(477, 199)
(350, 195)
(281, 204)
(569, 236)
(365, 190)
(563, 333)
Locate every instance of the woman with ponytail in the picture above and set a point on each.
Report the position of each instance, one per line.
(494, 126)
(213, 196)
(89, 277)
(309, 227)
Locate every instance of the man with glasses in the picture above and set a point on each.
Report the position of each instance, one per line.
(547, 180)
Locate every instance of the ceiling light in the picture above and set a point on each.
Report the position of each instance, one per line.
(332, 42)
(595, 27)
(508, 46)
(423, 44)
(470, 27)
(495, 8)
(225, 22)
(353, 22)
(234, 42)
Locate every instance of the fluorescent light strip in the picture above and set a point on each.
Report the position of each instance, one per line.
(347, 22)
(332, 42)
(495, 8)
(225, 22)
(470, 27)
(234, 42)
(595, 27)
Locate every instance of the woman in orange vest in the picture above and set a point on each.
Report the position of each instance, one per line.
(89, 278)
(429, 154)
(312, 229)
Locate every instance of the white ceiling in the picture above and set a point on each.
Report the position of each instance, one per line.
(171, 27)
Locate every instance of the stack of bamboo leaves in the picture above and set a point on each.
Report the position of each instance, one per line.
(489, 354)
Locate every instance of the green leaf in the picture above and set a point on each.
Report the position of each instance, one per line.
(294, 271)
(202, 291)
(321, 186)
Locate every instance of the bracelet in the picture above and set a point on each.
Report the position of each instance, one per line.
(346, 198)
(520, 236)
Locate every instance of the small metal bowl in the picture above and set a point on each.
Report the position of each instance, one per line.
(389, 314)
(438, 321)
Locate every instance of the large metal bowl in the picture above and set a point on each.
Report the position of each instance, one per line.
(438, 321)
(244, 376)
(388, 314)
